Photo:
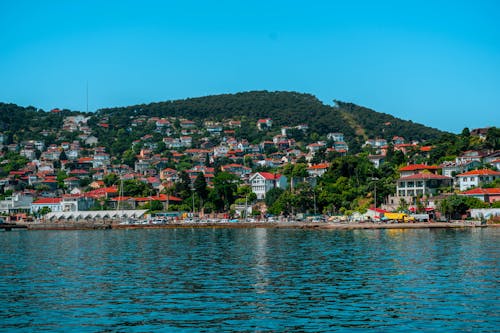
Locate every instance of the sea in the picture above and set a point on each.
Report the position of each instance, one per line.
(250, 280)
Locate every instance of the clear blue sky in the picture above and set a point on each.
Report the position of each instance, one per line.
(433, 62)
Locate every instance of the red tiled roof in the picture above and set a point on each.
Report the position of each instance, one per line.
(45, 201)
(414, 167)
(71, 179)
(480, 191)
(319, 166)
(270, 176)
(481, 172)
(161, 197)
(424, 176)
(19, 173)
(78, 172)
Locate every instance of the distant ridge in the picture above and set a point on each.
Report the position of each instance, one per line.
(284, 108)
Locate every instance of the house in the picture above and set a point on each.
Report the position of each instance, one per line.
(236, 169)
(335, 137)
(76, 203)
(490, 158)
(413, 169)
(480, 132)
(188, 124)
(318, 170)
(100, 160)
(340, 146)
(476, 178)
(377, 160)
(71, 182)
(398, 140)
(424, 183)
(262, 182)
(489, 195)
(451, 169)
(263, 124)
(380, 142)
(496, 164)
(54, 204)
(315, 147)
(470, 155)
(16, 203)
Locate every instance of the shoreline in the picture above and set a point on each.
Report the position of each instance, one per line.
(269, 225)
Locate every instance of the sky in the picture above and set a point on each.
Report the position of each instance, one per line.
(432, 62)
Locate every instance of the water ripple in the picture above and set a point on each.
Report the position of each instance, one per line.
(250, 280)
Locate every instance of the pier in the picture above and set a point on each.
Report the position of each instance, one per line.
(10, 226)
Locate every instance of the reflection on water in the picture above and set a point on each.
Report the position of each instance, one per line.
(249, 280)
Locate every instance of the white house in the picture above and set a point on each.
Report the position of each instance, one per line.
(263, 124)
(335, 137)
(318, 170)
(262, 182)
(424, 183)
(476, 178)
(54, 204)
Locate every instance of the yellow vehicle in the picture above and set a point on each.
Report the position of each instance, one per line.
(400, 217)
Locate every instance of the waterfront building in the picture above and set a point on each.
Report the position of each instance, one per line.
(476, 178)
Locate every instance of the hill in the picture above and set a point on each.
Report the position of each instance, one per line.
(285, 109)
(377, 124)
(27, 123)
(357, 123)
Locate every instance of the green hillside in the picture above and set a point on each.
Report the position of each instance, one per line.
(285, 109)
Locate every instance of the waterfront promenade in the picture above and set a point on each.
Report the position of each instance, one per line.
(68, 225)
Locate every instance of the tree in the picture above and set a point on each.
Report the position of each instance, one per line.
(111, 179)
(272, 195)
(200, 186)
(44, 211)
(183, 186)
(129, 157)
(225, 186)
(135, 188)
(456, 206)
(62, 156)
(153, 206)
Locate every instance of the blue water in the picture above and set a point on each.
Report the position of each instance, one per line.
(250, 280)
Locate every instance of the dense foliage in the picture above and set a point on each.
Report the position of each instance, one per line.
(28, 123)
(284, 108)
(376, 124)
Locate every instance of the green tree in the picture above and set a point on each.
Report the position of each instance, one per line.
(111, 179)
(129, 157)
(183, 186)
(136, 188)
(456, 206)
(272, 195)
(200, 186)
(44, 211)
(225, 187)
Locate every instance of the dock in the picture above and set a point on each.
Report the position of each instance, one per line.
(10, 226)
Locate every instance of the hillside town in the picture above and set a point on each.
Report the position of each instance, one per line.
(202, 170)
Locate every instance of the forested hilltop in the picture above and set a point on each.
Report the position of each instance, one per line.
(285, 109)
